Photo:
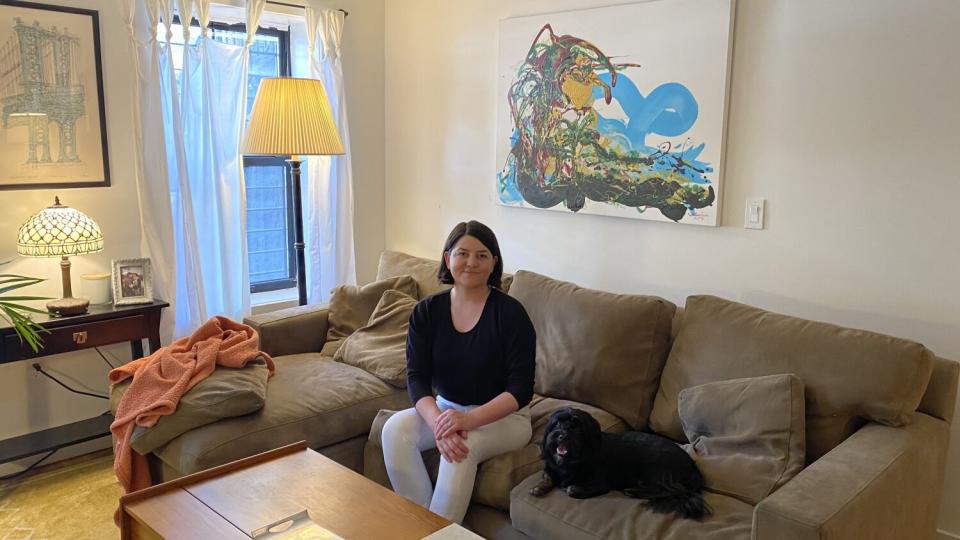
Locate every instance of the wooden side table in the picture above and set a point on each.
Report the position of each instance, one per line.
(101, 325)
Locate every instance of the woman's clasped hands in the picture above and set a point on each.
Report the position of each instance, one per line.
(450, 431)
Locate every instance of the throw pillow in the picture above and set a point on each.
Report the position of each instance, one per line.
(227, 392)
(848, 374)
(596, 347)
(352, 305)
(746, 435)
(380, 347)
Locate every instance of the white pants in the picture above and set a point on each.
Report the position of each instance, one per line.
(405, 435)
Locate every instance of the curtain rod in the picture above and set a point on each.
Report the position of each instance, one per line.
(345, 14)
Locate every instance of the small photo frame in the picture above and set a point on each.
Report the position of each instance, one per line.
(132, 281)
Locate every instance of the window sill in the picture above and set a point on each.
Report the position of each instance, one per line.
(265, 302)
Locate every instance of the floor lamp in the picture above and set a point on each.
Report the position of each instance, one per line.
(292, 117)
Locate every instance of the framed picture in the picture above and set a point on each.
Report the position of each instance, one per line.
(53, 130)
(616, 111)
(132, 281)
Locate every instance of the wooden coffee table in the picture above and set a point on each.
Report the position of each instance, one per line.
(236, 498)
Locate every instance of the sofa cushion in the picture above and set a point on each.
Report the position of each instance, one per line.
(499, 474)
(309, 398)
(617, 516)
(352, 305)
(597, 347)
(496, 476)
(394, 263)
(380, 347)
(848, 374)
(224, 393)
(746, 435)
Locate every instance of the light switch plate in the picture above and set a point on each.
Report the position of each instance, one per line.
(753, 214)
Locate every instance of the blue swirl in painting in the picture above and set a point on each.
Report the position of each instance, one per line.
(669, 111)
(564, 150)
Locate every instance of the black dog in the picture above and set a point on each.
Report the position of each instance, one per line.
(586, 462)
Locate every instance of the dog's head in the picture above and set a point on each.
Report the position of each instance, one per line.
(572, 437)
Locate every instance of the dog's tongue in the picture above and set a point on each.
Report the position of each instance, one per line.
(561, 449)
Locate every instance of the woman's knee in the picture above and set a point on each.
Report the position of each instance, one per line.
(401, 429)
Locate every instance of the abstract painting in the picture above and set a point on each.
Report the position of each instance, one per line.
(52, 125)
(615, 111)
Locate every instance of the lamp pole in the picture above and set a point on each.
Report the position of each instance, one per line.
(298, 244)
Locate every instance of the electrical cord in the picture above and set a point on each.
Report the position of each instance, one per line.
(40, 370)
(104, 357)
(29, 467)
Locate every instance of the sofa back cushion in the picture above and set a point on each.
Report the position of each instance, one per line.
(596, 347)
(849, 375)
(380, 346)
(352, 305)
(394, 263)
(746, 435)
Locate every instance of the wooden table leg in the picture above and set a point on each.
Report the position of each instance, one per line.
(136, 349)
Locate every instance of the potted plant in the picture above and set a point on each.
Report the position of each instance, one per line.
(17, 314)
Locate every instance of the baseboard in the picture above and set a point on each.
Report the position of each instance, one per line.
(944, 535)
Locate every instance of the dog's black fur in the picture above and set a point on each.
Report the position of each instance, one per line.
(586, 462)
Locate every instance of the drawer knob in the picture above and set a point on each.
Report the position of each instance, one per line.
(80, 338)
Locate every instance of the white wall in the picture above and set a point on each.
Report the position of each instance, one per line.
(32, 402)
(363, 53)
(843, 115)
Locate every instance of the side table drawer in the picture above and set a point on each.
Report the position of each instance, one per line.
(76, 337)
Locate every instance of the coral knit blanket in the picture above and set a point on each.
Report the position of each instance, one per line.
(161, 379)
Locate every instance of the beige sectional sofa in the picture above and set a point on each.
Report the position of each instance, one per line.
(875, 434)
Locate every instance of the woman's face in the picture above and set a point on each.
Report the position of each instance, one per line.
(470, 262)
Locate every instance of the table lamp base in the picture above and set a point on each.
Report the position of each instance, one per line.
(68, 306)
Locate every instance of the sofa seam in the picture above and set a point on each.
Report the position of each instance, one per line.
(790, 441)
(551, 514)
(650, 356)
(916, 377)
(294, 316)
(780, 515)
(273, 426)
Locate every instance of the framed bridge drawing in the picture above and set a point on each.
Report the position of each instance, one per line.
(53, 131)
(617, 111)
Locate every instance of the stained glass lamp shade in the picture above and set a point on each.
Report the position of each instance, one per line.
(61, 231)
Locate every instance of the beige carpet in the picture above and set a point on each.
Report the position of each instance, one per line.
(72, 500)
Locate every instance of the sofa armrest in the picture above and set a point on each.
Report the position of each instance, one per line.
(882, 482)
(300, 329)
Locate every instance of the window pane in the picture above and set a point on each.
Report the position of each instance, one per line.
(267, 210)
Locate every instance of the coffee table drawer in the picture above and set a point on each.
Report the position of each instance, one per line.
(76, 337)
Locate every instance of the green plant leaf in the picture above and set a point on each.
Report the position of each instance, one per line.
(21, 307)
(27, 330)
(17, 285)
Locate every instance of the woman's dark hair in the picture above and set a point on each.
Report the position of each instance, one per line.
(486, 237)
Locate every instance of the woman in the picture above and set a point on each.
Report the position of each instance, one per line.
(475, 345)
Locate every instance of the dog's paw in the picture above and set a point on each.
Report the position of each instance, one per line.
(540, 490)
(577, 492)
(543, 487)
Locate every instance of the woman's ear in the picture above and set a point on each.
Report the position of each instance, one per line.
(446, 259)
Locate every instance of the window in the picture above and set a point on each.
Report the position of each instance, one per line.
(270, 233)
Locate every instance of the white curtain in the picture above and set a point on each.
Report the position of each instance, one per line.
(190, 174)
(328, 181)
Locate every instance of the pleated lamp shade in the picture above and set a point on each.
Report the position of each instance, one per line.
(291, 117)
(58, 231)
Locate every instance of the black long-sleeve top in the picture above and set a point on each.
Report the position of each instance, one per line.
(496, 355)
